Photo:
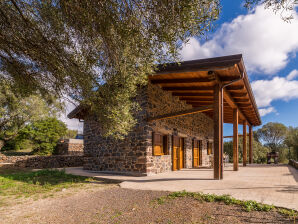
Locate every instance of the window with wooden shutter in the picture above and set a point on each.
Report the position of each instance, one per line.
(209, 148)
(160, 144)
(165, 145)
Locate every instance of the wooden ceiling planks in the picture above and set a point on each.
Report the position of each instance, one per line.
(193, 82)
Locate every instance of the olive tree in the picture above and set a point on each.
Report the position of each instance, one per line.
(17, 111)
(97, 52)
(273, 135)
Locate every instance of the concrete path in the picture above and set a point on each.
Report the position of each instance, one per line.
(269, 184)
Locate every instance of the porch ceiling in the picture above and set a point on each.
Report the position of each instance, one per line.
(193, 82)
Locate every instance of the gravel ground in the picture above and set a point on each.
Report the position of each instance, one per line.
(111, 204)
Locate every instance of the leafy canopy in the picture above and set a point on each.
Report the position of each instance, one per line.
(16, 111)
(259, 151)
(292, 142)
(44, 134)
(273, 135)
(97, 52)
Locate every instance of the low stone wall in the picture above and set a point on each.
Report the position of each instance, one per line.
(293, 163)
(70, 147)
(41, 162)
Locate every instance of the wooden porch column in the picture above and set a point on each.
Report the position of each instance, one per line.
(235, 139)
(244, 144)
(250, 144)
(218, 136)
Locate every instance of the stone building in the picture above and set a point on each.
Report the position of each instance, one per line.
(183, 109)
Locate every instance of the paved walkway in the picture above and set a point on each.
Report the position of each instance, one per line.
(270, 184)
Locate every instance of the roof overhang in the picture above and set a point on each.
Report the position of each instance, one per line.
(194, 81)
(79, 112)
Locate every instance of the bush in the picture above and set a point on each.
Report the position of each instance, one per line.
(44, 134)
(259, 151)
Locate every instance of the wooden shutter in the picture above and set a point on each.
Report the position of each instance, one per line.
(200, 153)
(157, 145)
(165, 145)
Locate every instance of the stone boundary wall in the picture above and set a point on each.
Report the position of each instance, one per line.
(42, 162)
(293, 163)
(70, 147)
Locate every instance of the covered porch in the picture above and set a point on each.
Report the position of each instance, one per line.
(219, 88)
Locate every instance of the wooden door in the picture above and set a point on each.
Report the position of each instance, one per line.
(195, 153)
(181, 153)
(175, 153)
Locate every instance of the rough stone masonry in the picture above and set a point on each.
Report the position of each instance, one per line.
(133, 155)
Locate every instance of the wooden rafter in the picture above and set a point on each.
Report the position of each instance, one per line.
(186, 80)
(190, 80)
(183, 88)
(191, 94)
(194, 84)
(181, 113)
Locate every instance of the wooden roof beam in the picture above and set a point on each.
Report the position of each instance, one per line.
(229, 99)
(192, 94)
(200, 88)
(196, 98)
(177, 81)
(183, 88)
(181, 113)
(190, 80)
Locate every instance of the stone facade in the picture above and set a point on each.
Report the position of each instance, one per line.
(70, 147)
(133, 155)
(121, 156)
(195, 126)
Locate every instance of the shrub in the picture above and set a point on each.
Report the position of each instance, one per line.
(44, 134)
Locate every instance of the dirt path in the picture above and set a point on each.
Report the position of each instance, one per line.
(112, 204)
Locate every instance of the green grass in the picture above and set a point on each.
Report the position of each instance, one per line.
(228, 200)
(28, 183)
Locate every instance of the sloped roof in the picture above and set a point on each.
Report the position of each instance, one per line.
(193, 82)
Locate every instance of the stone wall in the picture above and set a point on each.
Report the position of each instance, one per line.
(121, 156)
(293, 163)
(41, 162)
(195, 126)
(133, 155)
(70, 147)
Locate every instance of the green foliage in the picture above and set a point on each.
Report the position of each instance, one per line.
(292, 142)
(24, 183)
(246, 205)
(76, 47)
(70, 133)
(44, 134)
(98, 52)
(273, 135)
(17, 144)
(17, 111)
(259, 151)
(284, 7)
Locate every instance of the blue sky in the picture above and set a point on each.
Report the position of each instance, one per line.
(269, 46)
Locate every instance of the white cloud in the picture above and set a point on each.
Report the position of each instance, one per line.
(265, 111)
(264, 39)
(278, 88)
(292, 75)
